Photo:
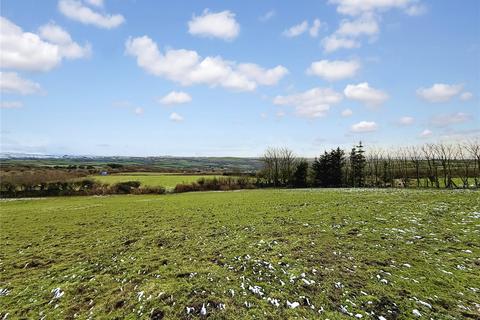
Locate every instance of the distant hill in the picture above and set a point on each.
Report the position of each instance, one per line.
(155, 163)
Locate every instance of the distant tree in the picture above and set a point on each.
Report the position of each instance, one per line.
(300, 174)
(287, 166)
(278, 166)
(328, 169)
(114, 165)
(357, 164)
(473, 147)
(319, 170)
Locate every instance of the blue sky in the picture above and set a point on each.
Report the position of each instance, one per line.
(217, 78)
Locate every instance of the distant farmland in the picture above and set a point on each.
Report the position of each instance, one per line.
(324, 253)
(151, 179)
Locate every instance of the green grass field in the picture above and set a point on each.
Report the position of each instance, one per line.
(151, 179)
(260, 254)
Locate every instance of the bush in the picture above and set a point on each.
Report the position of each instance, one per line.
(125, 187)
(149, 190)
(214, 184)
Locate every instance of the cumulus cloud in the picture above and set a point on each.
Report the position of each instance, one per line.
(439, 92)
(313, 31)
(365, 25)
(267, 16)
(12, 83)
(333, 43)
(425, 133)
(176, 117)
(214, 25)
(96, 3)
(364, 93)
(347, 113)
(345, 37)
(175, 97)
(296, 30)
(416, 10)
(406, 121)
(67, 47)
(10, 104)
(312, 103)
(365, 20)
(364, 127)
(334, 70)
(303, 27)
(263, 76)
(445, 120)
(77, 11)
(187, 67)
(32, 52)
(465, 96)
(357, 7)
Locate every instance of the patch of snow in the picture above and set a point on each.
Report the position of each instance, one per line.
(57, 293)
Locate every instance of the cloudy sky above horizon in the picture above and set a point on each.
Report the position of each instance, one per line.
(211, 78)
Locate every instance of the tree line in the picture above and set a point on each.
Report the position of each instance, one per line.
(437, 165)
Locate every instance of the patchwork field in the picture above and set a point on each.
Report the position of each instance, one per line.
(151, 179)
(264, 254)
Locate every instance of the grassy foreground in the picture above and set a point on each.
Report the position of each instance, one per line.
(264, 254)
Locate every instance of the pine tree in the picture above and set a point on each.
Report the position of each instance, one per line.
(357, 163)
(328, 169)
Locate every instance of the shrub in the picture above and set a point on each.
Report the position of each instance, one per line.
(125, 187)
(213, 184)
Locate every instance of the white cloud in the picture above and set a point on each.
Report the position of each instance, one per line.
(175, 97)
(334, 70)
(333, 43)
(11, 82)
(262, 76)
(280, 114)
(364, 93)
(303, 27)
(357, 7)
(215, 24)
(465, 96)
(364, 126)
(368, 13)
(67, 47)
(268, 15)
(138, 111)
(32, 52)
(10, 104)
(187, 67)
(426, 133)
(406, 121)
(365, 25)
(96, 3)
(448, 119)
(416, 10)
(347, 113)
(439, 92)
(349, 30)
(176, 117)
(75, 10)
(296, 30)
(315, 28)
(312, 103)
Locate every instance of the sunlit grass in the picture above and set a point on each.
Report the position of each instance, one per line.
(247, 254)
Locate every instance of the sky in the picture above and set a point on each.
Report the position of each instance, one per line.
(231, 78)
